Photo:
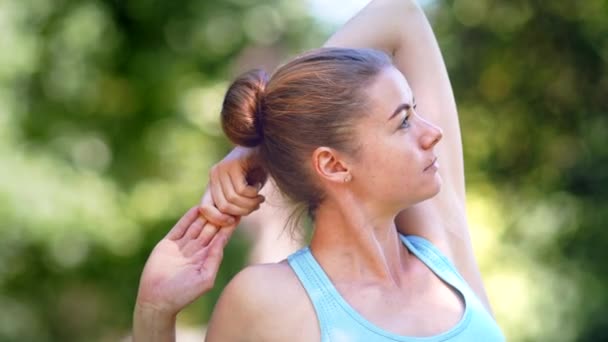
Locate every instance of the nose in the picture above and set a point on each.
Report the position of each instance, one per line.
(431, 135)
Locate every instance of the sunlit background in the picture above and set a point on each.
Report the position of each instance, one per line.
(109, 124)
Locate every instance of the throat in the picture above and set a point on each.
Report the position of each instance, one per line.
(361, 254)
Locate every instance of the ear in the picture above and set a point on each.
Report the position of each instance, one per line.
(329, 165)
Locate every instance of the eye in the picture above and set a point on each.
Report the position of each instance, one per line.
(405, 123)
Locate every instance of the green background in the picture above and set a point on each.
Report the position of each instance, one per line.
(109, 124)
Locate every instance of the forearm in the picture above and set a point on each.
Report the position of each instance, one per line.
(382, 25)
(151, 325)
(400, 28)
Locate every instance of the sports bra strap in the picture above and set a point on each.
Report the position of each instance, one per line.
(316, 285)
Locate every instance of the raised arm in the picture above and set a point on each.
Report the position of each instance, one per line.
(400, 28)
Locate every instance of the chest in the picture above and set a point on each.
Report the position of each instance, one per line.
(426, 307)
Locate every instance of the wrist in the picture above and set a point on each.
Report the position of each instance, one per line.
(155, 312)
(240, 152)
(153, 325)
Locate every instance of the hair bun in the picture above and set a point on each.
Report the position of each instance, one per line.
(242, 110)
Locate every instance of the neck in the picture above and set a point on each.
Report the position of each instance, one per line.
(352, 243)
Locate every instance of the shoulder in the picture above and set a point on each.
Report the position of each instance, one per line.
(260, 278)
(262, 302)
(262, 284)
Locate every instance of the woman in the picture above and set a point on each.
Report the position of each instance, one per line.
(339, 131)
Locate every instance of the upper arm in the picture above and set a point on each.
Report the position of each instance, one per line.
(233, 312)
(415, 52)
(246, 310)
(418, 57)
(443, 217)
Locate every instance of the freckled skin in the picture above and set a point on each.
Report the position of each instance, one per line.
(355, 238)
(392, 159)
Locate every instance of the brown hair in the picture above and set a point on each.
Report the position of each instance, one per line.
(313, 100)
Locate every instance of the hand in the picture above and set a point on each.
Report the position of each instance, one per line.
(229, 194)
(183, 265)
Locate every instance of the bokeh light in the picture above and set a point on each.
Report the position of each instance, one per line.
(109, 123)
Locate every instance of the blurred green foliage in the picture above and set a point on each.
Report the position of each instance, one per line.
(109, 123)
(531, 81)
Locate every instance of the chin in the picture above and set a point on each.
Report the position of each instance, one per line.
(435, 188)
(439, 183)
(429, 193)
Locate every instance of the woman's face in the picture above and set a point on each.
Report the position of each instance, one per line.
(396, 164)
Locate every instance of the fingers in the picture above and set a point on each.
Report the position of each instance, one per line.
(195, 244)
(215, 255)
(195, 229)
(177, 232)
(235, 197)
(226, 232)
(229, 194)
(192, 245)
(212, 214)
(241, 186)
(209, 231)
(217, 194)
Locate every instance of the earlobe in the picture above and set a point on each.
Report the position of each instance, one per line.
(329, 166)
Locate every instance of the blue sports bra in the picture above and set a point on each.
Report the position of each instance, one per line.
(339, 322)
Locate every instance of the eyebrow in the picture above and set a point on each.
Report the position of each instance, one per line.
(401, 107)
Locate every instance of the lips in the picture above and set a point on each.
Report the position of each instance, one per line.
(431, 164)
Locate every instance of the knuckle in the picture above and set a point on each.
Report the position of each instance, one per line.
(205, 207)
(252, 207)
(232, 196)
(239, 189)
(223, 206)
(209, 212)
(217, 217)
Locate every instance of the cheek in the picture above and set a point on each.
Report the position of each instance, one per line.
(388, 159)
(401, 158)
(391, 165)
